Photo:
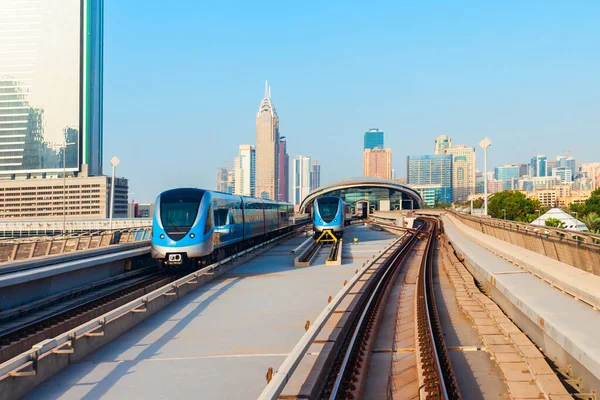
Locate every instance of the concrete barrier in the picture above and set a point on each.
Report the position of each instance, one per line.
(580, 284)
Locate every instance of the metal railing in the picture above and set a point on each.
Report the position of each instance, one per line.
(66, 342)
(582, 237)
(27, 248)
(579, 249)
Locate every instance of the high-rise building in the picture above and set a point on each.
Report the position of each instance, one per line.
(591, 171)
(284, 171)
(315, 178)
(463, 171)
(563, 173)
(431, 175)
(550, 165)
(267, 149)
(373, 139)
(537, 166)
(244, 171)
(508, 174)
(523, 170)
(378, 162)
(568, 163)
(51, 94)
(301, 178)
(221, 180)
(230, 181)
(51, 74)
(441, 143)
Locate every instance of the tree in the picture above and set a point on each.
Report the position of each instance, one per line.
(592, 221)
(518, 207)
(593, 203)
(556, 223)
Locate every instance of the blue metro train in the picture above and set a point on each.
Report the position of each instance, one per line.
(194, 225)
(330, 212)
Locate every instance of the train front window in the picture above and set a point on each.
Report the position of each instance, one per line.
(328, 208)
(179, 209)
(179, 215)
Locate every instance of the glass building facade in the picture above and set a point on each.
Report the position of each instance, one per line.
(373, 138)
(568, 163)
(375, 195)
(50, 87)
(537, 166)
(433, 172)
(509, 175)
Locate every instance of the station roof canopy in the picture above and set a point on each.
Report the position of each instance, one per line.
(367, 188)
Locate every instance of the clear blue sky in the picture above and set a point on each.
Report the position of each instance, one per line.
(183, 81)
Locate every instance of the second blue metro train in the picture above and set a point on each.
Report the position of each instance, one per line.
(194, 225)
(330, 212)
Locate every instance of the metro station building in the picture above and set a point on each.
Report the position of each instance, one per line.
(369, 194)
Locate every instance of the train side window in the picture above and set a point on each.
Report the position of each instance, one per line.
(220, 216)
(209, 222)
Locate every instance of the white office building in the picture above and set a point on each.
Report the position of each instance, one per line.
(245, 171)
(301, 178)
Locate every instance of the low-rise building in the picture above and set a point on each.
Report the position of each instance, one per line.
(55, 198)
(560, 196)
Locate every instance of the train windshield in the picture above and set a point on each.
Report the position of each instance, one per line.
(179, 208)
(328, 207)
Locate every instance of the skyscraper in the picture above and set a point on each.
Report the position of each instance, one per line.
(441, 143)
(378, 163)
(267, 149)
(221, 180)
(51, 86)
(568, 163)
(463, 171)
(301, 178)
(537, 166)
(245, 171)
(508, 174)
(431, 175)
(315, 177)
(284, 171)
(563, 173)
(373, 138)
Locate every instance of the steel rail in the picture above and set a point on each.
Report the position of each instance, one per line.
(376, 292)
(426, 292)
(309, 253)
(94, 294)
(333, 252)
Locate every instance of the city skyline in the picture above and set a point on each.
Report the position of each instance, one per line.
(467, 81)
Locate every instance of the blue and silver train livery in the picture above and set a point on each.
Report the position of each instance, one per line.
(195, 225)
(330, 212)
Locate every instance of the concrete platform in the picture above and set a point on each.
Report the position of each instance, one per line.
(566, 329)
(218, 341)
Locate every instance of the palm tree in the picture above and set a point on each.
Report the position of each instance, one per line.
(592, 221)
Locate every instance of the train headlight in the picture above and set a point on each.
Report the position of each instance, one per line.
(321, 221)
(335, 220)
(162, 235)
(192, 235)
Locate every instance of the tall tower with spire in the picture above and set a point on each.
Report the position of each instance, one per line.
(267, 148)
